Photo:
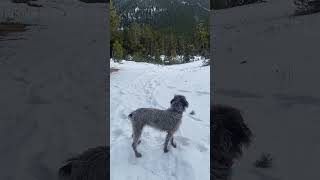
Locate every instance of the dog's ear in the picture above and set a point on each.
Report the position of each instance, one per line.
(174, 97)
(186, 103)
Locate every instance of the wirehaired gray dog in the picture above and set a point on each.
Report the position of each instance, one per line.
(229, 135)
(167, 120)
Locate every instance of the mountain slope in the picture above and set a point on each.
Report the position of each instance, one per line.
(179, 14)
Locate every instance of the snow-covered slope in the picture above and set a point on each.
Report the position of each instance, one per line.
(138, 85)
(276, 89)
(49, 108)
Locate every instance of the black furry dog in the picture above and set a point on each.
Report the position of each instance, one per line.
(93, 164)
(229, 134)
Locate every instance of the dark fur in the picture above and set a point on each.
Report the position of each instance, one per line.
(229, 135)
(167, 120)
(92, 164)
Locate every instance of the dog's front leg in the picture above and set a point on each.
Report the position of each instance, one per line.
(168, 137)
(173, 143)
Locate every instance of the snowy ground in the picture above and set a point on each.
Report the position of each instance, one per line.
(49, 110)
(277, 89)
(138, 85)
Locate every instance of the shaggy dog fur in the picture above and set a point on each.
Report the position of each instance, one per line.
(92, 164)
(229, 135)
(167, 120)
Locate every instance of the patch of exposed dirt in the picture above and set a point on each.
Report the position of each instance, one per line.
(113, 70)
(11, 27)
(95, 1)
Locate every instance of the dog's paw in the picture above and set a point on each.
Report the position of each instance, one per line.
(139, 142)
(174, 145)
(165, 150)
(138, 155)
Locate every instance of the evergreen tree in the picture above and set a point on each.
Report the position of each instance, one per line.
(114, 23)
(180, 45)
(134, 37)
(146, 42)
(188, 53)
(173, 48)
(202, 39)
(117, 50)
(158, 47)
(125, 41)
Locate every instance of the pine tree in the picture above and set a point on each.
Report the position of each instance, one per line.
(114, 23)
(173, 48)
(125, 41)
(158, 48)
(145, 41)
(134, 37)
(188, 53)
(180, 45)
(202, 39)
(117, 50)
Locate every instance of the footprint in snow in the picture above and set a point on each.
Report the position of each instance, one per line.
(202, 148)
(117, 132)
(202, 93)
(154, 102)
(194, 118)
(184, 91)
(182, 140)
(123, 115)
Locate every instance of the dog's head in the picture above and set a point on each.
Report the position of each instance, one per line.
(179, 102)
(229, 135)
(230, 132)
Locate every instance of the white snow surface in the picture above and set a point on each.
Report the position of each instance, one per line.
(138, 85)
(276, 89)
(58, 53)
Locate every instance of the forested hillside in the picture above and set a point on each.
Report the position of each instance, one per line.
(145, 30)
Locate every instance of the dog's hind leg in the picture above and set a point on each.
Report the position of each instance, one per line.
(139, 141)
(173, 143)
(168, 137)
(137, 130)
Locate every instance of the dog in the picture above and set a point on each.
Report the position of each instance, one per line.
(92, 164)
(167, 120)
(229, 135)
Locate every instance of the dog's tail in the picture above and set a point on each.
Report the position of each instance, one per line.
(130, 115)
